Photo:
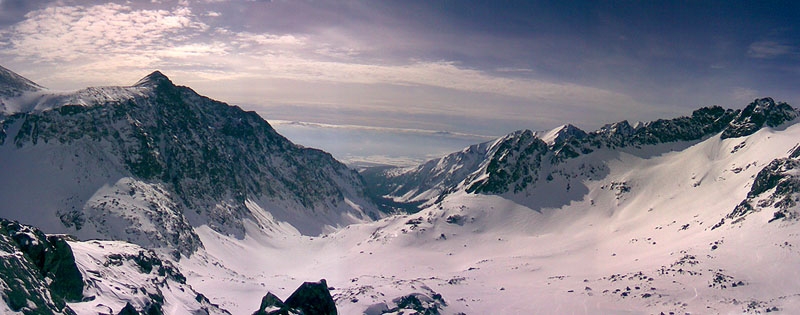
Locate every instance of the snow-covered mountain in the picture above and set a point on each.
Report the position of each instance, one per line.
(150, 162)
(13, 85)
(696, 214)
(519, 163)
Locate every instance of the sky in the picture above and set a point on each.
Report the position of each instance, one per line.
(479, 68)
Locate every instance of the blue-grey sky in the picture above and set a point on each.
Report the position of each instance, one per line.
(477, 67)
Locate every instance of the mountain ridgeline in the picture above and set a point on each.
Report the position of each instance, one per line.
(149, 162)
(515, 163)
(162, 192)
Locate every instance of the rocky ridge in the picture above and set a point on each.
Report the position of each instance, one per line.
(516, 162)
(38, 274)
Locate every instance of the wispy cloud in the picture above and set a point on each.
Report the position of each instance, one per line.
(420, 132)
(744, 94)
(768, 49)
(513, 70)
(247, 40)
(443, 74)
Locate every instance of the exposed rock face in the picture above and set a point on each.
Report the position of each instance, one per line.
(128, 310)
(50, 254)
(311, 298)
(40, 273)
(37, 273)
(271, 305)
(760, 113)
(776, 187)
(414, 303)
(515, 161)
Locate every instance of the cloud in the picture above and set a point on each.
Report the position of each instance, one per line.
(68, 33)
(247, 40)
(768, 49)
(409, 131)
(81, 44)
(441, 74)
(744, 94)
(513, 70)
(116, 34)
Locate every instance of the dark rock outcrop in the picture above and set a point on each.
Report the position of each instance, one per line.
(270, 305)
(417, 303)
(311, 298)
(128, 310)
(38, 275)
(776, 186)
(52, 255)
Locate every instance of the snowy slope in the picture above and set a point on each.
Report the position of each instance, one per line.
(629, 230)
(118, 274)
(52, 274)
(13, 85)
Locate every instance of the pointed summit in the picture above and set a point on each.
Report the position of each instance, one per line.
(155, 78)
(13, 85)
(562, 134)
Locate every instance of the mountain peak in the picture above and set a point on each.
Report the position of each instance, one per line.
(13, 85)
(562, 133)
(764, 102)
(765, 106)
(153, 79)
(622, 128)
(762, 111)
